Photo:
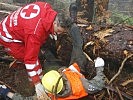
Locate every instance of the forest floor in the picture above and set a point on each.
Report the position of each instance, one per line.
(120, 89)
(17, 80)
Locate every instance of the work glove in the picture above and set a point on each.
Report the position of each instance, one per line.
(4, 90)
(99, 62)
(39, 89)
(43, 97)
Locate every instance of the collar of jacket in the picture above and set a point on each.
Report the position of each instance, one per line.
(67, 88)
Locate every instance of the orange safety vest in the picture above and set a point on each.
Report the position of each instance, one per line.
(73, 75)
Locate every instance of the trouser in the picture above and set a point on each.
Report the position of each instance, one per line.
(77, 52)
(17, 50)
(14, 49)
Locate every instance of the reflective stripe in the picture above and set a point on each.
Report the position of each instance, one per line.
(45, 5)
(31, 74)
(5, 29)
(37, 26)
(8, 37)
(11, 18)
(8, 40)
(29, 78)
(72, 68)
(39, 71)
(31, 66)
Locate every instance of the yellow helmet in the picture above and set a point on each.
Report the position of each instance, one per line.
(49, 81)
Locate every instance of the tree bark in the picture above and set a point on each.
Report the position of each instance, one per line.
(8, 7)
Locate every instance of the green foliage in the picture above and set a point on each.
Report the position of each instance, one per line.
(121, 18)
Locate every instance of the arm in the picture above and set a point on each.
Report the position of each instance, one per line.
(98, 82)
(34, 69)
(32, 47)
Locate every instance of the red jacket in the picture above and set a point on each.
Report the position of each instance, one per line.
(30, 25)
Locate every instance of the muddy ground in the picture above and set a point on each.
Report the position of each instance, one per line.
(16, 78)
(112, 52)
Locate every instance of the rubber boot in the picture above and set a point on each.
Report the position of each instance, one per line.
(73, 12)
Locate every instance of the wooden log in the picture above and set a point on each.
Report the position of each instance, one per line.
(122, 93)
(112, 46)
(8, 7)
(5, 12)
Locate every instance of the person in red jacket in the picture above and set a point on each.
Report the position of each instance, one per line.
(24, 31)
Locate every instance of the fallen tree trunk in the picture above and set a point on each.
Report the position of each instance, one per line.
(8, 7)
(112, 46)
(114, 43)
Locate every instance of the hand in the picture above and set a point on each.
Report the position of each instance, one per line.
(4, 90)
(99, 62)
(44, 97)
(39, 89)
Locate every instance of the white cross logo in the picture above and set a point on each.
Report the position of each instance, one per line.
(30, 11)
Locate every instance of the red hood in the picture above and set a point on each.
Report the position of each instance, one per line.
(48, 19)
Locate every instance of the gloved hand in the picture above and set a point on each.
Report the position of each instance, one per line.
(99, 62)
(39, 89)
(44, 97)
(4, 90)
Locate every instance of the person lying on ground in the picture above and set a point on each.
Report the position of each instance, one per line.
(65, 84)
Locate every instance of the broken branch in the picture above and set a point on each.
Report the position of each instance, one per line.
(122, 93)
(8, 86)
(119, 93)
(127, 82)
(120, 69)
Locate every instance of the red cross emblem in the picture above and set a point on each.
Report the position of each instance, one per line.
(30, 11)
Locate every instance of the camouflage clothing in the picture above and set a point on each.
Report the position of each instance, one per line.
(18, 96)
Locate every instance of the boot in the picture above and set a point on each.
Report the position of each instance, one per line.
(73, 12)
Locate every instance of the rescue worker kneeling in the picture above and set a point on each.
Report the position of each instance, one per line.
(67, 83)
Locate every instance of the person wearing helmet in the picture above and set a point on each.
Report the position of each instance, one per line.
(24, 31)
(69, 83)
(65, 84)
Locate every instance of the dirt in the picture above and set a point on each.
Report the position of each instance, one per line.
(17, 79)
